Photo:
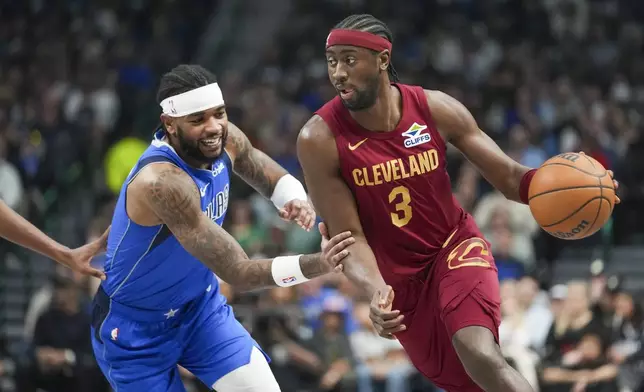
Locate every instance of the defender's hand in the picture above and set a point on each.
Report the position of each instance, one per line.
(386, 321)
(300, 212)
(333, 250)
(79, 259)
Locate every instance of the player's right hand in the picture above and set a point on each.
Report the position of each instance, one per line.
(386, 321)
(79, 259)
(333, 250)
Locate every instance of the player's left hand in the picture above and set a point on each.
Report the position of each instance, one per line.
(300, 212)
(79, 259)
(386, 321)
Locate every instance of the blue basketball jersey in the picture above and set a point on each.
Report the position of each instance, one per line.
(146, 266)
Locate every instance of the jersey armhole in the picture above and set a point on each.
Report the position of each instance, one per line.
(142, 164)
(422, 101)
(228, 161)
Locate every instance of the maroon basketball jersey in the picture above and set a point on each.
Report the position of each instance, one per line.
(400, 182)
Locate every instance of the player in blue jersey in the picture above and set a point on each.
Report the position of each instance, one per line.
(17, 229)
(160, 305)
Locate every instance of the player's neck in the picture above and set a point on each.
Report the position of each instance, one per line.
(385, 114)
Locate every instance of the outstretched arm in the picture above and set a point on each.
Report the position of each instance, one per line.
(252, 165)
(332, 198)
(17, 229)
(457, 126)
(269, 179)
(174, 198)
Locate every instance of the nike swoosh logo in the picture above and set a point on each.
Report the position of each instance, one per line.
(357, 144)
(203, 190)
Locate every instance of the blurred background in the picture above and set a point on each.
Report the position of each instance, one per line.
(77, 86)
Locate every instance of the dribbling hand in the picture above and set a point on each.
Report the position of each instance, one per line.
(612, 176)
(386, 321)
(615, 184)
(299, 211)
(79, 259)
(333, 250)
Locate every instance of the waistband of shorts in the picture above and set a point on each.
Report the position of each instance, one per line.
(103, 300)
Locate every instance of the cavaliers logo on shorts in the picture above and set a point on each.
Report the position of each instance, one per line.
(472, 252)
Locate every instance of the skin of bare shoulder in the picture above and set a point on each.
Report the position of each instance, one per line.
(458, 127)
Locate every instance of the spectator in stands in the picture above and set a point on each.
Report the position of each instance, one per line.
(42, 300)
(558, 294)
(534, 306)
(277, 321)
(591, 372)
(11, 191)
(627, 329)
(312, 296)
(515, 334)
(575, 321)
(601, 298)
(508, 266)
(331, 345)
(245, 227)
(493, 214)
(382, 362)
(64, 358)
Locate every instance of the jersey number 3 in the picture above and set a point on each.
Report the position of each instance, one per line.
(400, 196)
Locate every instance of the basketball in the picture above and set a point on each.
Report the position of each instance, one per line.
(571, 196)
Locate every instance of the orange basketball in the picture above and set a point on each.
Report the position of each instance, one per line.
(571, 196)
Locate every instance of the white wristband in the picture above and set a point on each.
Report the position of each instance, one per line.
(287, 188)
(287, 271)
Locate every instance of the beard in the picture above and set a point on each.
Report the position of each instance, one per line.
(365, 98)
(190, 148)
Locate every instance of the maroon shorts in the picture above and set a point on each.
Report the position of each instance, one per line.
(459, 289)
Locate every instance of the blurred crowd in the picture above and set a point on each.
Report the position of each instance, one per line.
(77, 87)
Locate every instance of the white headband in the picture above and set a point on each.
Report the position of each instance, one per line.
(193, 101)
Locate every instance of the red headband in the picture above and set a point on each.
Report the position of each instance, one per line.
(357, 38)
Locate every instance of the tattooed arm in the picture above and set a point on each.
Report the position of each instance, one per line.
(171, 195)
(270, 179)
(252, 165)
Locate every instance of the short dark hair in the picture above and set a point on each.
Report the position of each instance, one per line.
(182, 78)
(370, 24)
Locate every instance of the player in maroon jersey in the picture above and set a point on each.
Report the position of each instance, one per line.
(374, 161)
(17, 229)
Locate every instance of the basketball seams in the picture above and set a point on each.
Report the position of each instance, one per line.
(601, 202)
(588, 159)
(576, 168)
(552, 184)
(576, 211)
(568, 188)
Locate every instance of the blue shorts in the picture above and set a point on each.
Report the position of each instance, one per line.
(138, 350)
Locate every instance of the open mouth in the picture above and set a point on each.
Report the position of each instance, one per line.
(211, 144)
(346, 93)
